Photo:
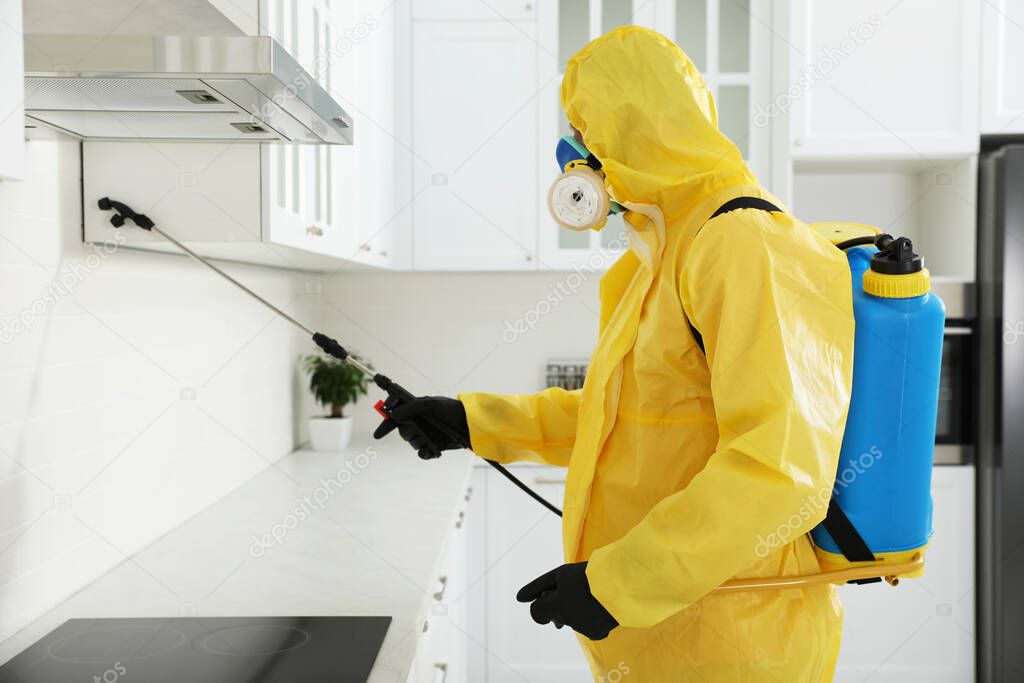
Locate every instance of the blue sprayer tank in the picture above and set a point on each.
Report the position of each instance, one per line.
(883, 482)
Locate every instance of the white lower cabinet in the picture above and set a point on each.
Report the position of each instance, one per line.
(513, 541)
(923, 629)
(441, 650)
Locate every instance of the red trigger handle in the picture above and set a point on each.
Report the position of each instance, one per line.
(379, 407)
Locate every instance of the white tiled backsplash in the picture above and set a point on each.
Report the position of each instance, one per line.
(137, 389)
(440, 333)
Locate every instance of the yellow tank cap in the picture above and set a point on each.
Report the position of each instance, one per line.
(897, 286)
(840, 232)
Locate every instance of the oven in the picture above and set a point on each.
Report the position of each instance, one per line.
(955, 423)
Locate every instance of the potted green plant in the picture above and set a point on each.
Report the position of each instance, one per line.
(335, 384)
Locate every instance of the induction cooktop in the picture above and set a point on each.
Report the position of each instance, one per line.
(203, 650)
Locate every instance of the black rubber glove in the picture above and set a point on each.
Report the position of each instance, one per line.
(562, 596)
(420, 422)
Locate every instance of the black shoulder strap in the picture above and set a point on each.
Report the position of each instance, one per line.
(838, 525)
(745, 203)
(846, 536)
(732, 205)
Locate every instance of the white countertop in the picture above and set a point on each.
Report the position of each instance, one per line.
(369, 542)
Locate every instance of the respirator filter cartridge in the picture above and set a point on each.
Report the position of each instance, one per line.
(578, 200)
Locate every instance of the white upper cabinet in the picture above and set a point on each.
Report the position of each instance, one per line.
(1002, 89)
(294, 206)
(882, 80)
(12, 74)
(474, 123)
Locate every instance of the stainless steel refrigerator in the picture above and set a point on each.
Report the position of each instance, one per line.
(1000, 411)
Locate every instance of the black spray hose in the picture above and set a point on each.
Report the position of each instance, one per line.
(862, 241)
(397, 394)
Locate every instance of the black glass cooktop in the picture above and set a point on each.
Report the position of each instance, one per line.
(203, 650)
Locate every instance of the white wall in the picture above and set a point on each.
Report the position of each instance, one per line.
(139, 394)
(442, 333)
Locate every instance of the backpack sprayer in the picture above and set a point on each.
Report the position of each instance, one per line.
(878, 518)
(397, 394)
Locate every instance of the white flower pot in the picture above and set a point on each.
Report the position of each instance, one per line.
(330, 433)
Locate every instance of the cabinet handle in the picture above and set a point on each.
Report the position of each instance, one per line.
(384, 253)
(461, 519)
(529, 257)
(469, 493)
(315, 231)
(443, 582)
(364, 247)
(540, 481)
(440, 672)
(425, 626)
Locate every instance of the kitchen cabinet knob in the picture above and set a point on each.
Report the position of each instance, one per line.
(469, 493)
(364, 247)
(443, 582)
(461, 519)
(384, 253)
(315, 231)
(529, 257)
(425, 626)
(529, 7)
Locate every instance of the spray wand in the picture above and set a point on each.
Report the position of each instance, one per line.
(397, 394)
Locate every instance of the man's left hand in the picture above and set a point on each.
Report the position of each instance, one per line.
(562, 596)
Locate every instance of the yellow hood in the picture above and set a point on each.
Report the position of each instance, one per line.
(653, 127)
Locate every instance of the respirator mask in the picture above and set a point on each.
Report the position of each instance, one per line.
(578, 199)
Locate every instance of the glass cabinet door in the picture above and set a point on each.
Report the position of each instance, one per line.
(726, 41)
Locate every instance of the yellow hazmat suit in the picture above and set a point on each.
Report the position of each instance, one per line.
(686, 470)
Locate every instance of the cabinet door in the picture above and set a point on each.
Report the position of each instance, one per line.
(522, 541)
(12, 119)
(877, 79)
(923, 629)
(373, 111)
(1002, 88)
(475, 141)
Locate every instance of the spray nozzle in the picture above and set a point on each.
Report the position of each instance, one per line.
(895, 256)
(124, 213)
(330, 346)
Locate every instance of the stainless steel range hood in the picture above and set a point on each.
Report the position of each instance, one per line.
(168, 88)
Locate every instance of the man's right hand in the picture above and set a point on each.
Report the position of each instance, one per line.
(430, 424)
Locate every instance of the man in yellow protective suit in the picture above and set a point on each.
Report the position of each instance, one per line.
(683, 464)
